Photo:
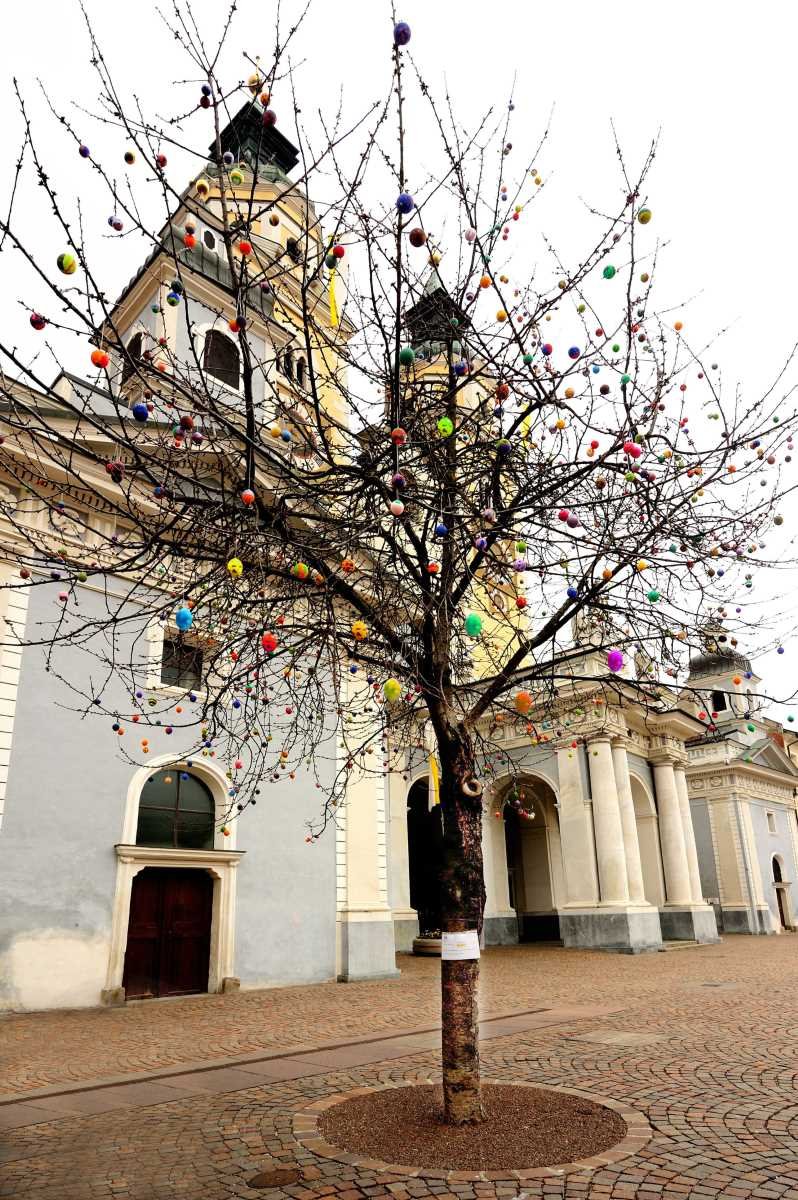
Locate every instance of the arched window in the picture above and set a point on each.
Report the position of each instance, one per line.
(777, 875)
(220, 358)
(718, 701)
(132, 355)
(176, 809)
(300, 372)
(288, 364)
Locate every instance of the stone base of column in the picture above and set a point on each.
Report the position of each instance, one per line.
(405, 928)
(691, 923)
(500, 930)
(624, 930)
(737, 919)
(366, 947)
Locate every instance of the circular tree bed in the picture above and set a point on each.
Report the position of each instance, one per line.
(525, 1127)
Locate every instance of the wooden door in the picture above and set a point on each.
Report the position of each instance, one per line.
(169, 933)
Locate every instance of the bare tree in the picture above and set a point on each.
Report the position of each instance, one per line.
(373, 498)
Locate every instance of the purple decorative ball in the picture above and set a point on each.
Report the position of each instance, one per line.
(572, 521)
(615, 661)
(405, 203)
(573, 352)
(547, 348)
(84, 151)
(401, 33)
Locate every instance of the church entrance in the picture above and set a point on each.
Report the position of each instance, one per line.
(169, 933)
(781, 900)
(425, 856)
(531, 837)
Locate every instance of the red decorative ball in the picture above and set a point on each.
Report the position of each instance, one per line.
(269, 117)
(269, 643)
(248, 496)
(245, 248)
(338, 251)
(37, 321)
(398, 436)
(417, 237)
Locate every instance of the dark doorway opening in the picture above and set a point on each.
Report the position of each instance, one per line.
(778, 880)
(169, 933)
(425, 854)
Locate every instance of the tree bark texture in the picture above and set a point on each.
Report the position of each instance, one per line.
(462, 905)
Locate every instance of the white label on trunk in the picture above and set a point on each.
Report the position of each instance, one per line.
(460, 945)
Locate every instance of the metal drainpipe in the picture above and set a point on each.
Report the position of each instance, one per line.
(747, 866)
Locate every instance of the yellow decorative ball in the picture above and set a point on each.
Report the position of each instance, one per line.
(235, 568)
(359, 631)
(392, 690)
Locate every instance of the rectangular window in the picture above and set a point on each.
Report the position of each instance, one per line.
(771, 822)
(181, 664)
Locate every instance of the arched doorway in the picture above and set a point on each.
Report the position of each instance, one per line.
(781, 893)
(648, 841)
(169, 933)
(532, 841)
(425, 853)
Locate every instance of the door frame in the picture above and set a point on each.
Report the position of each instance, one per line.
(219, 864)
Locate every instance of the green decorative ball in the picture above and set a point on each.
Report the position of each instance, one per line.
(407, 356)
(653, 595)
(473, 624)
(445, 427)
(608, 272)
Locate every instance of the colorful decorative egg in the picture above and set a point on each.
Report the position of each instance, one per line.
(417, 237)
(100, 359)
(401, 33)
(67, 264)
(300, 570)
(392, 690)
(473, 624)
(445, 426)
(644, 216)
(608, 272)
(247, 496)
(235, 568)
(359, 631)
(405, 203)
(184, 619)
(37, 321)
(523, 702)
(615, 661)
(140, 411)
(269, 643)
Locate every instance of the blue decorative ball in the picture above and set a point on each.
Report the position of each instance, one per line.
(84, 151)
(286, 435)
(441, 529)
(405, 203)
(595, 369)
(460, 368)
(573, 352)
(140, 411)
(573, 593)
(184, 619)
(401, 33)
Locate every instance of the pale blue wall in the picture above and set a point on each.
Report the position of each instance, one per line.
(64, 812)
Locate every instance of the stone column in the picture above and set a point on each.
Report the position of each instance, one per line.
(610, 850)
(366, 948)
(689, 834)
(634, 868)
(576, 832)
(500, 923)
(405, 918)
(671, 835)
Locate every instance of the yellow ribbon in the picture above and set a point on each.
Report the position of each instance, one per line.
(435, 775)
(333, 305)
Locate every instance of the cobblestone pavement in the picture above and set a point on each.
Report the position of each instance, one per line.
(705, 1046)
(43, 1049)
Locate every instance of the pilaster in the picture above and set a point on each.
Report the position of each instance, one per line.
(610, 851)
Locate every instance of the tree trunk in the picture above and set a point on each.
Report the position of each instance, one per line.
(462, 904)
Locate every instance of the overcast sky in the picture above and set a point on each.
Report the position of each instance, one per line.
(715, 80)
